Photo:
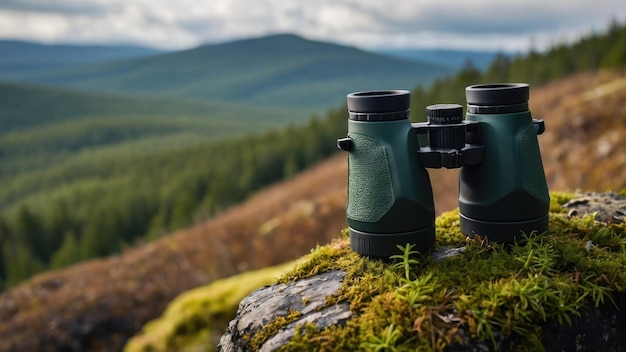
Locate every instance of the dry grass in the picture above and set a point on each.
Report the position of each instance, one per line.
(584, 146)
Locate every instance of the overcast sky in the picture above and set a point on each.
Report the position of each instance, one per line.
(512, 25)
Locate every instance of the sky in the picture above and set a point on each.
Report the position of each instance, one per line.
(502, 25)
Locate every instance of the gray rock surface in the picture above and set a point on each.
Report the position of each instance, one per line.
(608, 207)
(307, 297)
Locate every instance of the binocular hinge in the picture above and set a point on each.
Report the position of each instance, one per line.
(448, 155)
(451, 158)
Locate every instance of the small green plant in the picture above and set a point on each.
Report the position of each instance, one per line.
(405, 260)
(538, 256)
(418, 291)
(385, 343)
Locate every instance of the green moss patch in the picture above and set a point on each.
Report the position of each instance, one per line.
(489, 293)
(196, 319)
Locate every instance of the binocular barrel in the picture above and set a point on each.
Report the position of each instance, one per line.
(507, 193)
(502, 187)
(390, 199)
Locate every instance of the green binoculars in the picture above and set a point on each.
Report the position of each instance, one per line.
(502, 185)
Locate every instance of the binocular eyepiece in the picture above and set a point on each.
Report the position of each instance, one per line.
(502, 186)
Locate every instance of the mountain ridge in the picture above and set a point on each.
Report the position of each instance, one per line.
(27, 105)
(20, 49)
(281, 69)
(22, 60)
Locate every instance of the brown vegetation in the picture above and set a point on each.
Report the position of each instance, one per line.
(584, 146)
(98, 304)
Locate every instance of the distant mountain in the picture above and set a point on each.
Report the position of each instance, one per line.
(42, 127)
(278, 70)
(452, 59)
(27, 106)
(20, 60)
(51, 138)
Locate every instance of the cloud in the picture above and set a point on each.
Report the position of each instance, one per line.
(70, 7)
(480, 24)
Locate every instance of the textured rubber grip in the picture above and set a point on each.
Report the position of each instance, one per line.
(533, 177)
(370, 189)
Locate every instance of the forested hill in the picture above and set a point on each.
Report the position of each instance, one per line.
(26, 107)
(595, 51)
(15, 51)
(279, 70)
(20, 60)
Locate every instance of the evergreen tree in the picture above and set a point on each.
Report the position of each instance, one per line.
(4, 240)
(29, 233)
(19, 263)
(498, 70)
(67, 254)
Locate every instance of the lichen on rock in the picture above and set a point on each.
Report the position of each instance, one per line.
(298, 303)
(607, 207)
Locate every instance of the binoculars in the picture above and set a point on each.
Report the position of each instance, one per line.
(502, 185)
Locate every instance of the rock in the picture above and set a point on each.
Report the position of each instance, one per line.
(608, 207)
(337, 314)
(306, 297)
(445, 252)
(598, 327)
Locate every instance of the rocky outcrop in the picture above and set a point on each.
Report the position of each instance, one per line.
(304, 300)
(597, 328)
(609, 208)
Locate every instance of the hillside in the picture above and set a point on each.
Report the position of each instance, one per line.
(85, 304)
(279, 70)
(27, 107)
(53, 136)
(79, 306)
(89, 186)
(21, 60)
(453, 59)
(28, 52)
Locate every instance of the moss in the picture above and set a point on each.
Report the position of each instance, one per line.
(271, 329)
(557, 199)
(197, 318)
(493, 293)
